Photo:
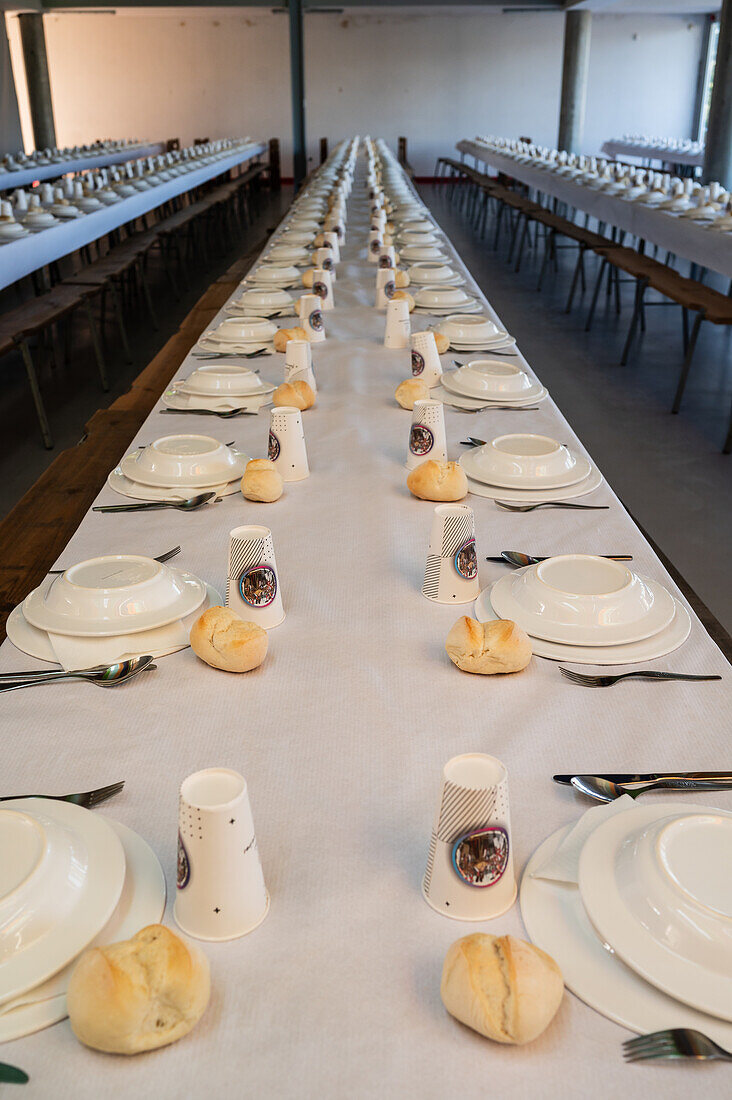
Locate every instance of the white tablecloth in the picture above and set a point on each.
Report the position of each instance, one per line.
(686, 239)
(651, 152)
(342, 735)
(28, 254)
(24, 176)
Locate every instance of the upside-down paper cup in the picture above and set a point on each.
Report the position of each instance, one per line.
(385, 286)
(470, 872)
(375, 245)
(451, 573)
(299, 363)
(287, 443)
(426, 363)
(323, 287)
(221, 893)
(323, 257)
(311, 317)
(252, 582)
(398, 328)
(331, 241)
(427, 433)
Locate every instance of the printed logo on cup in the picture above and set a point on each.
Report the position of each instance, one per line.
(321, 290)
(273, 448)
(481, 857)
(183, 874)
(315, 320)
(376, 246)
(258, 585)
(327, 264)
(421, 439)
(384, 261)
(466, 561)
(417, 362)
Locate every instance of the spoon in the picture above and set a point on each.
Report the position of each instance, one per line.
(226, 415)
(188, 505)
(161, 558)
(605, 790)
(230, 354)
(515, 557)
(105, 676)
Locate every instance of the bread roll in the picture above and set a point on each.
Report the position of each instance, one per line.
(499, 646)
(413, 389)
(224, 640)
(262, 481)
(401, 279)
(443, 343)
(319, 241)
(307, 276)
(438, 481)
(298, 394)
(140, 994)
(502, 987)
(284, 334)
(406, 296)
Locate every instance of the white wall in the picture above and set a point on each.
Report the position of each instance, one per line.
(161, 73)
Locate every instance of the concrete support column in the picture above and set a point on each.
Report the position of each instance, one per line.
(718, 149)
(577, 27)
(36, 75)
(297, 81)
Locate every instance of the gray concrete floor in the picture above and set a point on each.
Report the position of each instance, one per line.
(668, 470)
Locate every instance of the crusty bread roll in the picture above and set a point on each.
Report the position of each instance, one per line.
(140, 994)
(401, 279)
(262, 481)
(298, 394)
(307, 276)
(443, 343)
(499, 646)
(438, 481)
(224, 640)
(406, 296)
(502, 987)
(411, 390)
(284, 334)
(319, 241)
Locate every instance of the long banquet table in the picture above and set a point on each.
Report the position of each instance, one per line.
(652, 152)
(23, 176)
(342, 735)
(20, 257)
(681, 236)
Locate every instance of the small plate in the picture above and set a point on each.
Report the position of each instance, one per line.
(499, 344)
(173, 399)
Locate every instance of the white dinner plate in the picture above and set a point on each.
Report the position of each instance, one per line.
(454, 399)
(220, 347)
(657, 952)
(471, 306)
(527, 396)
(128, 488)
(127, 468)
(537, 496)
(501, 340)
(257, 387)
(193, 593)
(456, 279)
(96, 874)
(581, 471)
(173, 399)
(34, 641)
(649, 649)
(141, 902)
(555, 920)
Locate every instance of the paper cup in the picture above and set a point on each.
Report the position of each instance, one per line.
(221, 893)
(387, 256)
(425, 358)
(331, 241)
(385, 286)
(323, 257)
(323, 287)
(252, 583)
(397, 330)
(287, 443)
(375, 245)
(427, 433)
(311, 317)
(299, 363)
(470, 872)
(451, 573)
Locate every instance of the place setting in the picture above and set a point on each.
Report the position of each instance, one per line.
(475, 333)
(221, 387)
(442, 301)
(481, 383)
(282, 276)
(262, 303)
(434, 273)
(526, 469)
(177, 467)
(246, 336)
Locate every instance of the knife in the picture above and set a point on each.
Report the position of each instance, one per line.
(648, 777)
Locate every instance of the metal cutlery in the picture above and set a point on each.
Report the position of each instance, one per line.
(605, 790)
(87, 799)
(676, 1042)
(227, 414)
(645, 777)
(108, 677)
(473, 441)
(489, 408)
(229, 354)
(188, 505)
(550, 504)
(608, 681)
(515, 557)
(11, 1075)
(161, 558)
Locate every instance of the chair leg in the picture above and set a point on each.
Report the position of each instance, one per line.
(727, 449)
(547, 253)
(596, 294)
(687, 362)
(97, 345)
(120, 320)
(30, 370)
(146, 292)
(499, 218)
(640, 289)
(579, 267)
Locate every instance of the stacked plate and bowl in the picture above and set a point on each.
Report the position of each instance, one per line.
(262, 302)
(526, 468)
(219, 386)
(441, 301)
(177, 467)
(474, 333)
(239, 336)
(483, 382)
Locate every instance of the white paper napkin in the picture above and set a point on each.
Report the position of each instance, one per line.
(563, 866)
(78, 653)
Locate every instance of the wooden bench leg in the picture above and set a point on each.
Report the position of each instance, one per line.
(97, 345)
(640, 289)
(146, 292)
(548, 243)
(596, 294)
(579, 267)
(687, 362)
(120, 320)
(30, 370)
(522, 241)
(728, 442)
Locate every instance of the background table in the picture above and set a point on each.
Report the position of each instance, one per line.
(21, 178)
(681, 236)
(342, 735)
(652, 152)
(28, 254)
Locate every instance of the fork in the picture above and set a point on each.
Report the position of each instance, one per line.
(227, 414)
(489, 408)
(675, 1042)
(161, 558)
(549, 504)
(87, 799)
(608, 681)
